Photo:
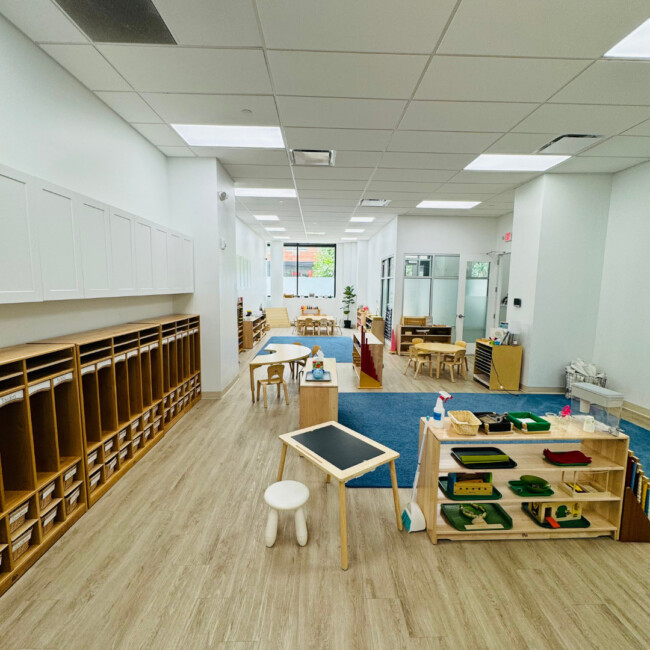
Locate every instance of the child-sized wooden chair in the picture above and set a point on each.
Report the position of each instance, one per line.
(454, 360)
(274, 375)
(462, 344)
(295, 366)
(309, 324)
(323, 324)
(418, 357)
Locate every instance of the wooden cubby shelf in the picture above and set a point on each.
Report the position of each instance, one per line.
(606, 470)
(254, 330)
(410, 329)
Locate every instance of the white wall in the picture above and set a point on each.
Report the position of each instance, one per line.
(381, 246)
(54, 128)
(503, 225)
(623, 330)
(252, 247)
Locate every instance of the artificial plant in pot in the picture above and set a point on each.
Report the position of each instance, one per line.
(349, 298)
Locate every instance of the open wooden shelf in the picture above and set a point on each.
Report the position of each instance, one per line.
(254, 329)
(410, 329)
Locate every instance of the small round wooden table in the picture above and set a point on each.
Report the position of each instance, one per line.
(300, 322)
(439, 349)
(280, 353)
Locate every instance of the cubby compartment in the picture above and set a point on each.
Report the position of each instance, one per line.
(90, 403)
(93, 459)
(47, 365)
(146, 435)
(46, 495)
(166, 363)
(122, 437)
(137, 443)
(107, 396)
(23, 541)
(156, 427)
(110, 466)
(18, 517)
(135, 382)
(50, 517)
(68, 423)
(124, 455)
(110, 447)
(72, 499)
(46, 447)
(12, 376)
(122, 389)
(146, 377)
(72, 475)
(95, 479)
(157, 383)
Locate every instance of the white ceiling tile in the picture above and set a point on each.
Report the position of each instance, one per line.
(130, 106)
(215, 23)
(311, 184)
(87, 65)
(520, 143)
(42, 20)
(359, 26)
(594, 165)
(558, 119)
(264, 182)
(640, 129)
(333, 173)
(160, 134)
(396, 186)
(330, 194)
(477, 188)
(580, 28)
(259, 171)
(445, 195)
(622, 145)
(339, 139)
(357, 158)
(496, 79)
(334, 74)
(340, 113)
(179, 108)
(426, 160)
(246, 156)
(322, 203)
(441, 141)
(464, 116)
(177, 152)
(494, 177)
(190, 70)
(609, 82)
(413, 175)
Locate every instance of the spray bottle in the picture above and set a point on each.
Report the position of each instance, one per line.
(439, 410)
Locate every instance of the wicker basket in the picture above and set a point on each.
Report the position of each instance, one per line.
(464, 423)
(18, 517)
(21, 545)
(46, 495)
(49, 519)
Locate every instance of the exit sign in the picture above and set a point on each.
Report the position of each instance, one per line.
(507, 237)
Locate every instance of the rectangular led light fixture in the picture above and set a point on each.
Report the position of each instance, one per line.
(362, 219)
(315, 233)
(354, 230)
(276, 229)
(280, 237)
(489, 162)
(220, 135)
(636, 45)
(448, 205)
(348, 239)
(266, 192)
(267, 217)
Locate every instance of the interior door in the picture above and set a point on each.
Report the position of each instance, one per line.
(474, 297)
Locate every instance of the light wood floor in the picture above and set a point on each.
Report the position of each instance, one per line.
(173, 557)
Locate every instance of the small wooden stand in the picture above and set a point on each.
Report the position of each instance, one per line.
(635, 525)
(254, 330)
(319, 400)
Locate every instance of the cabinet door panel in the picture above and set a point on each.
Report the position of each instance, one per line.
(144, 257)
(187, 266)
(159, 253)
(95, 239)
(122, 252)
(19, 262)
(58, 245)
(175, 252)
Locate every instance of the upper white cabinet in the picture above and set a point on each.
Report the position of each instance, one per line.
(58, 244)
(20, 277)
(93, 226)
(123, 253)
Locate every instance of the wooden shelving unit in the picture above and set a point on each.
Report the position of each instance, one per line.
(497, 366)
(430, 333)
(607, 469)
(254, 330)
(375, 325)
(368, 359)
(240, 323)
(41, 453)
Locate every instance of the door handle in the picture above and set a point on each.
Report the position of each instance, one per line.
(460, 315)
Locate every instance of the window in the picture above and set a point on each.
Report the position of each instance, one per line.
(417, 285)
(387, 287)
(267, 266)
(309, 270)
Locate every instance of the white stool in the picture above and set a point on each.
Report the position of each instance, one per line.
(286, 495)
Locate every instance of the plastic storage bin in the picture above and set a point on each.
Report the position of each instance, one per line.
(605, 405)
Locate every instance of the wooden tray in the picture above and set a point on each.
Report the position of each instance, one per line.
(309, 376)
(457, 452)
(442, 484)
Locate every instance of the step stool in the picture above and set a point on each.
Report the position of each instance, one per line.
(286, 495)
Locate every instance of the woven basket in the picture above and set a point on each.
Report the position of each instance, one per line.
(464, 423)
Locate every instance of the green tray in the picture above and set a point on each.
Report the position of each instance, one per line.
(567, 464)
(583, 522)
(495, 515)
(442, 484)
(540, 424)
(518, 488)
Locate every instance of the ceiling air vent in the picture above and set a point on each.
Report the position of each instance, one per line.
(119, 21)
(313, 157)
(569, 144)
(374, 203)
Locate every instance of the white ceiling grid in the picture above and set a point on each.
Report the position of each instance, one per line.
(408, 93)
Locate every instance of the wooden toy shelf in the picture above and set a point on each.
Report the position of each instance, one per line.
(254, 330)
(368, 365)
(607, 469)
(497, 366)
(430, 334)
(41, 453)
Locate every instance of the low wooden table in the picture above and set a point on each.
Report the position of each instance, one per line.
(300, 322)
(280, 353)
(439, 349)
(344, 454)
(319, 400)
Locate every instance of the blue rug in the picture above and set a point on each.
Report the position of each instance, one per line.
(334, 347)
(393, 419)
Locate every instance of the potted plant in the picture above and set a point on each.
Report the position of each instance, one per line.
(349, 298)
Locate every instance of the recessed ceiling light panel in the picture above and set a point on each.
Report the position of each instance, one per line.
(266, 192)
(313, 157)
(354, 230)
(315, 233)
(220, 135)
(489, 162)
(362, 219)
(448, 205)
(280, 237)
(267, 217)
(374, 203)
(636, 45)
(278, 229)
(348, 239)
